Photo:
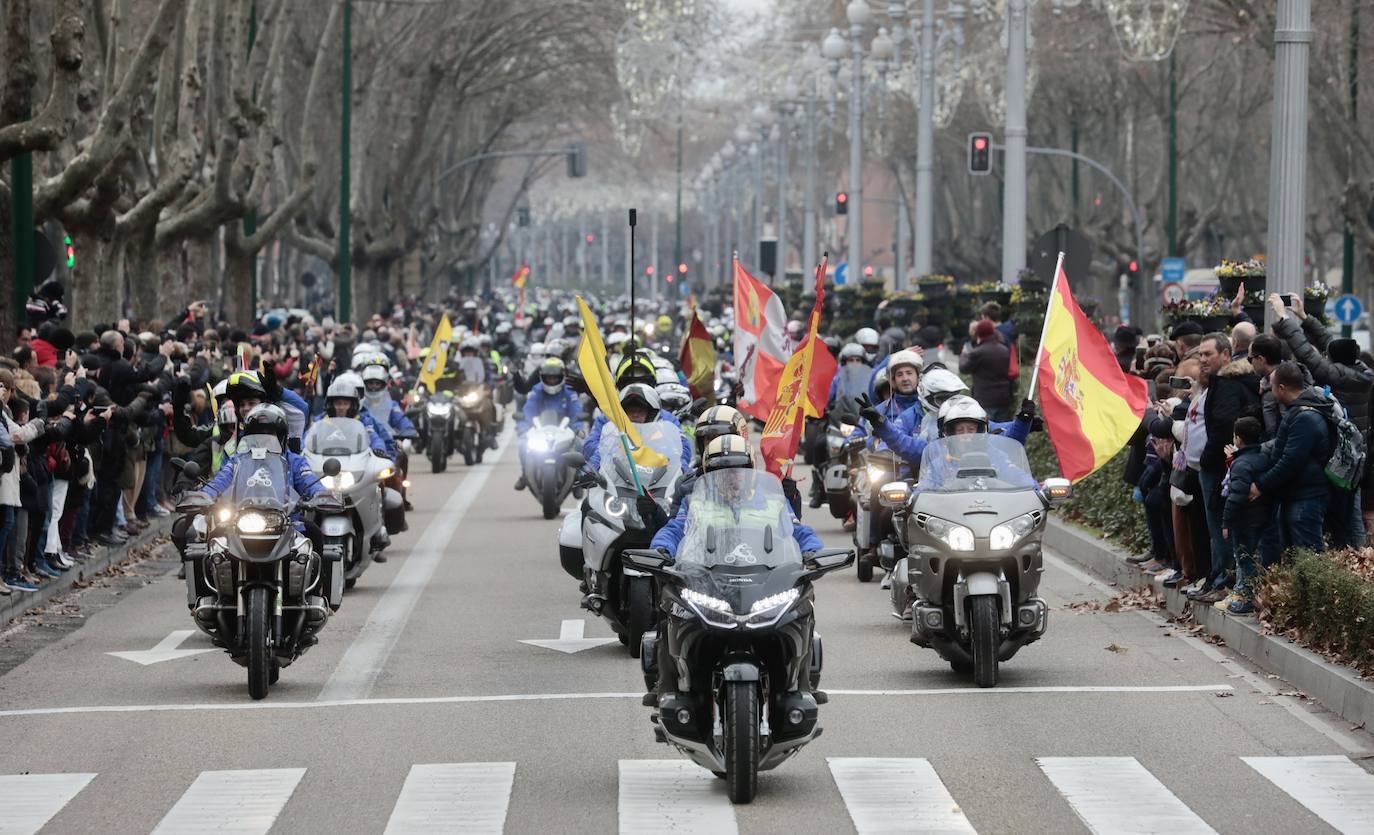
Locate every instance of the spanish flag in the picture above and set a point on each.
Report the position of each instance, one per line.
(1091, 407)
(521, 276)
(698, 358)
(438, 356)
(596, 373)
(806, 375)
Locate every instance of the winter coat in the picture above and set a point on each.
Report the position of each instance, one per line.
(1232, 393)
(18, 434)
(1301, 449)
(564, 403)
(988, 364)
(1351, 384)
(120, 378)
(1240, 513)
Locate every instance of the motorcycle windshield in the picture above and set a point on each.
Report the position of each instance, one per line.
(664, 437)
(473, 369)
(550, 418)
(740, 518)
(974, 462)
(261, 477)
(336, 437)
(851, 380)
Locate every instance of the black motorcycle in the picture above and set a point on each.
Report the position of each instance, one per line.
(740, 627)
(442, 425)
(269, 588)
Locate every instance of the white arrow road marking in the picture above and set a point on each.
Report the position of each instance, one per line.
(166, 650)
(570, 638)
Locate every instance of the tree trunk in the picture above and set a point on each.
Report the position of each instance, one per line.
(152, 299)
(200, 278)
(238, 280)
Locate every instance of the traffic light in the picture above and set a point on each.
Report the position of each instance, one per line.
(577, 159)
(868, 271)
(590, 238)
(71, 251)
(522, 216)
(1133, 268)
(842, 203)
(649, 271)
(682, 268)
(980, 153)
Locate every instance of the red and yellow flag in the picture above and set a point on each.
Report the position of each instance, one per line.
(807, 372)
(521, 276)
(698, 358)
(1091, 407)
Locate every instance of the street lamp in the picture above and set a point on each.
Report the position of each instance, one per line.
(859, 16)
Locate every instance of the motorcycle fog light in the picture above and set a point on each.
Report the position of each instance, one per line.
(795, 716)
(934, 619)
(1027, 617)
(683, 716)
(405, 483)
(224, 514)
(876, 474)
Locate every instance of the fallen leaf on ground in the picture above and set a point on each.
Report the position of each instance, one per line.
(1119, 650)
(1224, 694)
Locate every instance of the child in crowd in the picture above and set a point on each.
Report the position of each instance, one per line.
(1250, 525)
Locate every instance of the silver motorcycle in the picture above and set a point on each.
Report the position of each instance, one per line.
(549, 479)
(356, 476)
(973, 527)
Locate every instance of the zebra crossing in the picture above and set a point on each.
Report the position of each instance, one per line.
(882, 796)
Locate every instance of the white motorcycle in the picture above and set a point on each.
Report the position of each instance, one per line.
(549, 479)
(361, 531)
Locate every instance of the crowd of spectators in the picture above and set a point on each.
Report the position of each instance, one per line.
(1241, 456)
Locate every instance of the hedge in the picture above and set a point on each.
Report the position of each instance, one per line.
(1102, 501)
(1324, 601)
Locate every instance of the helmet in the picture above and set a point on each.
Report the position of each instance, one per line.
(642, 392)
(852, 351)
(905, 357)
(484, 340)
(469, 344)
(635, 368)
(868, 338)
(266, 419)
(717, 421)
(538, 349)
(551, 373)
(221, 388)
(726, 452)
(572, 323)
(833, 343)
(959, 408)
(343, 388)
(470, 305)
(674, 396)
(374, 373)
(664, 324)
(227, 418)
(937, 386)
(663, 376)
(616, 339)
(245, 384)
(795, 328)
(881, 386)
(503, 329)
(554, 347)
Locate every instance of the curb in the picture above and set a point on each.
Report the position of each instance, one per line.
(1337, 688)
(21, 603)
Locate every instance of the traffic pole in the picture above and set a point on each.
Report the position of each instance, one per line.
(1288, 146)
(345, 312)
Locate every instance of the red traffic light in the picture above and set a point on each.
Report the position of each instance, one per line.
(980, 143)
(868, 270)
(980, 153)
(682, 268)
(591, 238)
(1133, 267)
(842, 198)
(649, 270)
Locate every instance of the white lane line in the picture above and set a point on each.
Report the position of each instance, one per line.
(556, 697)
(1332, 788)
(31, 800)
(453, 797)
(362, 664)
(1118, 795)
(887, 796)
(246, 802)
(673, 796)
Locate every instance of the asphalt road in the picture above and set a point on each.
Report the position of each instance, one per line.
(421, 710)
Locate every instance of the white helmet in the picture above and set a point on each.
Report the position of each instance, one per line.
(537, 350)
(350, 379)
(905, 356)
(374, 372)
(958, 408)
(868, 339)
(664, 376)
(221, 388)
(642, 392)
(937, 386)
(674, 396)
(852, 350)
(616, 339)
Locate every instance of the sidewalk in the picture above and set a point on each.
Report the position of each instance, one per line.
(1337, 688)
(20, 602)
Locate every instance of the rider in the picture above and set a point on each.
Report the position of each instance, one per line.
(382, 407)
(469, 350)
(267, 419)
(552, 395)
(868, 340)
(959, 414)
(715, 422)
(635, 370)
(904, 406)
(342, 401)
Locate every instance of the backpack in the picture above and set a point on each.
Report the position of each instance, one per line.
(1345, 467)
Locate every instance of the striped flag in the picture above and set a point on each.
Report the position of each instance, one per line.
(809, 370)
(698, 358)
(1091, 407)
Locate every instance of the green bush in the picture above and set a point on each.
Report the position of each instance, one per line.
(1102, 501)
(1324, 601)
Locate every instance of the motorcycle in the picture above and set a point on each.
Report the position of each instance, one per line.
(362, 531)
(442, 423)
(874, 536)
(549, 479)
(833, 472)
(973, 529)
(740, 601)
(269, 590)
(609, 522)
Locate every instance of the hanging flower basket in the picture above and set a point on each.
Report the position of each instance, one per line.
(1232, 274)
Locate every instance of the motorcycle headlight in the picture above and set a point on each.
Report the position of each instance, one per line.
(384, 473)
(616, 506)
(767, 610)
(877, 474)
(847, 429)
(342, 481)
(957, 537)
(1010, 532)
(537, 443)
(472, 398)
(710, 609)
(439, 409)
(254, 522)
(224, 514)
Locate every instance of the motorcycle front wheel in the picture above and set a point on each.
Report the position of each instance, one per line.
(641, 613)
(549, 498)
(742, 740)
(985, 622)
(469, 447)
(259, 643)
(864, 566)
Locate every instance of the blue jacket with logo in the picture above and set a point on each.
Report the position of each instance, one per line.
(565, 403)
(591, 448)
(303, 479)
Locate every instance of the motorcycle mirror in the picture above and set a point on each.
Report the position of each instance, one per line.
(178, 464)
(574, 459)
(894, 494)
(829, 559)
(190, 469)
(332, 467)
(646, 559)
(1057, 489)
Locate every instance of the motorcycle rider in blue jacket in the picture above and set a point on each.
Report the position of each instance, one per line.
(957, 409)
(636, 368)
(266, 419)
(551, 395)
(343, 401)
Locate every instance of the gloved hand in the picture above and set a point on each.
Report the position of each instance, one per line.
(7, 459)
(869, 412)
(1027, 410)
(650, 512)
(1137, 496)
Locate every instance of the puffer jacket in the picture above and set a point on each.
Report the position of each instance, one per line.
(1232, 393)
(19, 434)
(989, 365)
(1351, 384)
(1300, 449)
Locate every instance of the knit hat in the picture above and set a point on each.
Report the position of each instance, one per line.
(984, 329)
(1344, 351)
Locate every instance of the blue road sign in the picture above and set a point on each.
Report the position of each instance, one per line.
(1172, 269)
(1348, 309)
(841, 269)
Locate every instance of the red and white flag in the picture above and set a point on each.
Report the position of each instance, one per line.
(801, 391)
(760, 342)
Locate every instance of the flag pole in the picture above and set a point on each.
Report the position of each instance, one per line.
(634, 334)
(1045, 326)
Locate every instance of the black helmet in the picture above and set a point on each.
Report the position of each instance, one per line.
(266, 419)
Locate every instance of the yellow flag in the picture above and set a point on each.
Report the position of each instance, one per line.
(591, 358)
(438, 355)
